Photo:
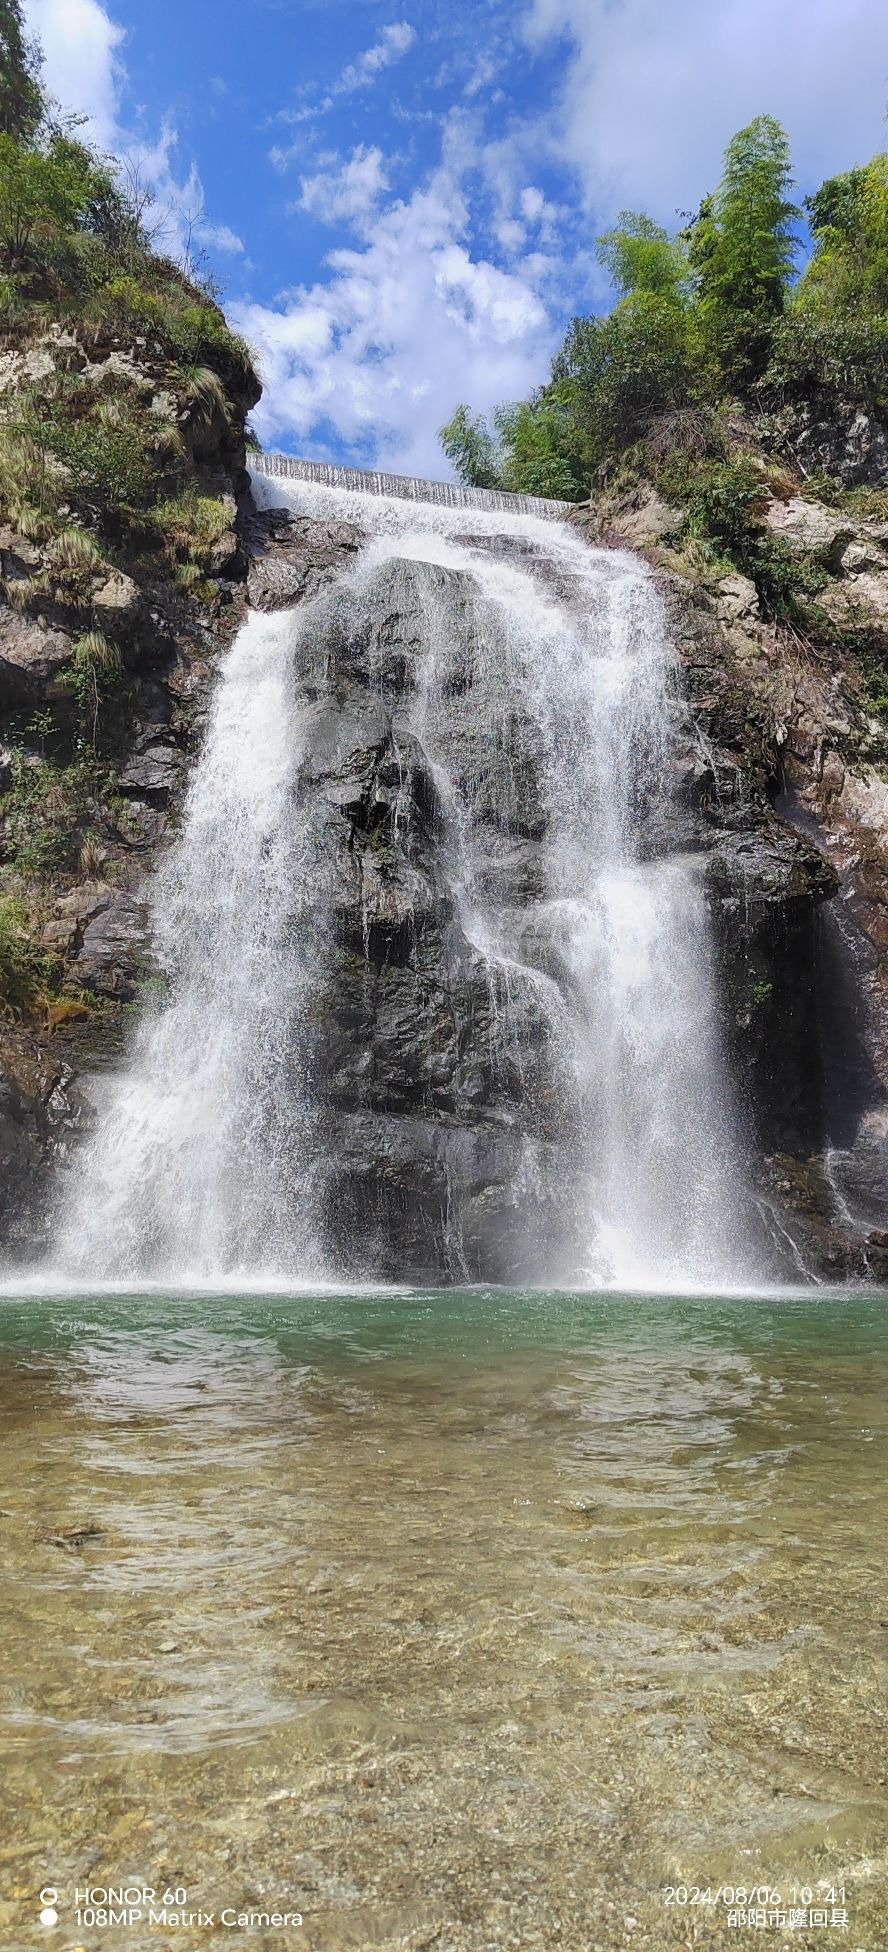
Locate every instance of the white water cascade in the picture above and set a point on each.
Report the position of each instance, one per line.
(195, 1166)
(554, 665)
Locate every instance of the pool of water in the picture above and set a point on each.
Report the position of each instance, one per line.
(464, 1620)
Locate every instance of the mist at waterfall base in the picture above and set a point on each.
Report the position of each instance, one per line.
(208, 1160)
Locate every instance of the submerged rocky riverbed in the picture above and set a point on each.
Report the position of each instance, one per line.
(466, 1620)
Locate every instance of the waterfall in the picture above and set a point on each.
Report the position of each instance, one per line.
(539, 693)
(196, 1164)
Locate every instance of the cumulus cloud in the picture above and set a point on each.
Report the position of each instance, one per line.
(402, 329)
(652, 92)
(82, 68)
(345, 192)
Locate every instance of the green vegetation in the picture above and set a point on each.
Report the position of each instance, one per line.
(741, 249)
(26, 972)
(123, 382)
(74, 246)
(76, 250)
(21, 97)
(46, 807)
(715, 349)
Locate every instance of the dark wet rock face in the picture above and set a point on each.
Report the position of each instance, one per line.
(445, 1104)
(293, 556)
(766, 888)
(40, 1112)
(437, 1085)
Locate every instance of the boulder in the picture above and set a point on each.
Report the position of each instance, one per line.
(33, 661)
(737, 599)
(153, 772)
(807, 528)
(116, 604)
(113, 944)
(294, 556)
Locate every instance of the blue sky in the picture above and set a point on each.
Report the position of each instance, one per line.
(401, 199)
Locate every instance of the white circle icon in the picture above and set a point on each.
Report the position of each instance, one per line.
(48, 1916)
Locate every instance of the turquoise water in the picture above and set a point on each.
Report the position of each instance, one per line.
(462, 1323)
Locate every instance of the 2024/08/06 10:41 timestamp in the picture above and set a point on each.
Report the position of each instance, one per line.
(792, 1907)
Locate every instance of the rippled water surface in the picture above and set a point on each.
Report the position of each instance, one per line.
(464, 1621)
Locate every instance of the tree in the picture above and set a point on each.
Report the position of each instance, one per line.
(623, 371)
(21, 96)
(43, 194)
(538, 446)
(471, 449)
(832, 346)
(641, 257)
(848, 271)
(742, 248)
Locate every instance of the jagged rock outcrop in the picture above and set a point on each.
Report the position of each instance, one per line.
(40, 1110)
(94, 762)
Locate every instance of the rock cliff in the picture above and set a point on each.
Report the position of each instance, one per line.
(778, 785)
(794, 728)
(420, 1120)
(111, 615)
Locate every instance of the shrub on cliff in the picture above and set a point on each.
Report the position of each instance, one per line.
(832, 347)
(622, 371)
(25, 971)
(75, 241)
(611, 378)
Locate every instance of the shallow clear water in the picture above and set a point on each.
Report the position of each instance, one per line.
(463, 1619)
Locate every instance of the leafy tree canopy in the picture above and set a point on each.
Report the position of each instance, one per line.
(641, 257)
(21, 95)
(704, 319)
(742, 247)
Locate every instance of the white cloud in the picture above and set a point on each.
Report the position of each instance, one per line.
(393, 43)
(653, 92)
(83, 71)
(510, 234)
(82, 68)
(348, 192)
(219, 237)
(178, 215)
(403, 329)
